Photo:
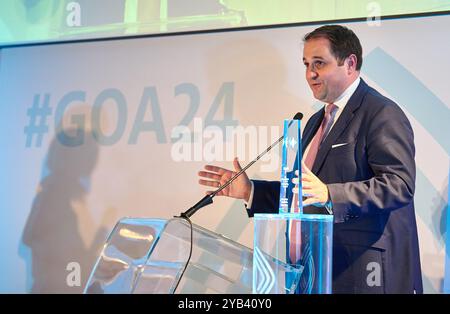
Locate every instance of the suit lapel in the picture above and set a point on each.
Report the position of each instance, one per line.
(341, 124)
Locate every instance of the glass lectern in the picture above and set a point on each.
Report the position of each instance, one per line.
(149, 255)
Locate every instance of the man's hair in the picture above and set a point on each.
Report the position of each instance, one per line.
(343, 42)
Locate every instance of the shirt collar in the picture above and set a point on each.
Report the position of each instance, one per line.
(342, 100)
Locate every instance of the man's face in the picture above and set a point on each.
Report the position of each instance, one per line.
(325, 77)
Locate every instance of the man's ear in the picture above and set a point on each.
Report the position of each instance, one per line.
(351, 63)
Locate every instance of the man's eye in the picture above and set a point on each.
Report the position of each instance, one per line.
(318, 64)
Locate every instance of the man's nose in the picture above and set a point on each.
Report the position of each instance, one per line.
(310, 74)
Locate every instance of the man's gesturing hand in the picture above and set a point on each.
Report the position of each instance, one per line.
(240, 188)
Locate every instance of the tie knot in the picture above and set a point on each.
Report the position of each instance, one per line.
(330, 108)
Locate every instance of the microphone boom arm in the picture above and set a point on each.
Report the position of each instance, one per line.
(208, 199)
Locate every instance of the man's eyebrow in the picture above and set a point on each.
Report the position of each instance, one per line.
(314, 58)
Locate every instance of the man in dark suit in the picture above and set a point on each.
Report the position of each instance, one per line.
(358, 163)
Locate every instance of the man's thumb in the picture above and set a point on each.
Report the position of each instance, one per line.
(237, 166)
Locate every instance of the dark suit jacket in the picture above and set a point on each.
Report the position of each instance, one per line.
(371, 182)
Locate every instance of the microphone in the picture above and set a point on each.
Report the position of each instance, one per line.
(208, 199)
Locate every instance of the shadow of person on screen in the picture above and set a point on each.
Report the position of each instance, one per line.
(61, 260)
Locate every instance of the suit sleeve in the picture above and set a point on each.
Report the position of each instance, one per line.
(266, 196)
(390, 156)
